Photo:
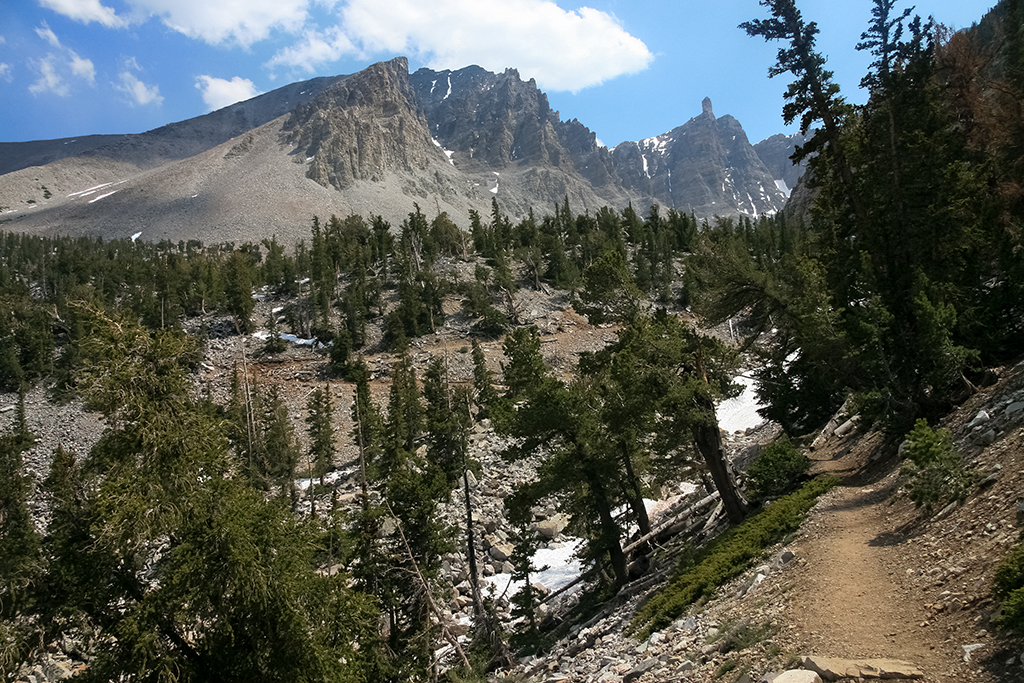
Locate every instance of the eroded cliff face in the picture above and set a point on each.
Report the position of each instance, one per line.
(378, 141)
(707, 166)
(499, 122)
(775, 152)
(362, 128)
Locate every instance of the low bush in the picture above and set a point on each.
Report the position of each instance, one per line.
(933, 469)
(1009, 586)
(727, 557)
(777, 470)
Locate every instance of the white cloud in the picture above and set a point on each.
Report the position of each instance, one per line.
(81, 67)
(219, 93)
(6, 72)
(224, 21)
(47, 34)
(50, 79)
(85, 11)
(138, 92)
(55, 69)
(563, 50)
(316, 48)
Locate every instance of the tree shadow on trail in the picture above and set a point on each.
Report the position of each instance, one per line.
(1003, 660)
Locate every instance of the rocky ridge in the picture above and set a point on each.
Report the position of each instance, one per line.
(707, 165)
(374, 142)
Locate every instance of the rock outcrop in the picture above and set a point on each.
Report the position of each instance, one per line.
(377, 141)
(361, 128)
(706, 166)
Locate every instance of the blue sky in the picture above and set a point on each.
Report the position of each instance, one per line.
(627, 69)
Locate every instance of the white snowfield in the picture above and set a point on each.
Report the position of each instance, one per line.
(562, 569)
(740, 413)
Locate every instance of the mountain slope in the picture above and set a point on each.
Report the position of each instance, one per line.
(377, 142)
(707, 166)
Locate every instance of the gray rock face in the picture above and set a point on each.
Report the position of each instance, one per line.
(498, 123)
(362, 127)
(375, 142)
(706, 166)
(775, 152)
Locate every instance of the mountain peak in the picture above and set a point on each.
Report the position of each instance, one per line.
(706, 107)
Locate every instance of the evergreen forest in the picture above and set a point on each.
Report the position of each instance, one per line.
(175, 549)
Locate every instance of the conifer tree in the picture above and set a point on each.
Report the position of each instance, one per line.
(282, 451)
(321, 432)
(238, 278)
(561, 419)
(483, 387)
(184, 572)
(20, 561)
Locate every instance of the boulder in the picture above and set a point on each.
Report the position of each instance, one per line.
(640, 669)
(794, 676)
(832, 669)
(501, 551)
(981, 418)
(552, 526)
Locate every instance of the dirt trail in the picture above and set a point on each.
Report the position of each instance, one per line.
(853, 606)
(849, 600)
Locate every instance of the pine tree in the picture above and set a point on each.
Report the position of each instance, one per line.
(20, 561)
(238, 277)
(182, 570)
(282, 451)
(562, 421)
(483, 387)
(321, 432)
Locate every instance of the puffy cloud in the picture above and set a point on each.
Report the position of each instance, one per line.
(85, 11)
(562, 49)
(316, 48)
(224, 21)
(6, 72)
(57, 67)
(49, 79)
(81, 67)
(138, 92)
(219, 93)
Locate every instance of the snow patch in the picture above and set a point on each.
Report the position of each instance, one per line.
(740, 413)
(329, 478)
(299, 341)
(447, 152)
(89, 190)
(783, 187)
(562, 569)
(136, 236)
(102, 196)
(449, 89)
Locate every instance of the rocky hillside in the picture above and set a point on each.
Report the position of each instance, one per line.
(375, 142)
(870, 584)
(775, 153)
(707, 164)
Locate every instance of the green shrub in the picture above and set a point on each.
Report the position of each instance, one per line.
(934, 471)
(777, 470)
(727, 557)
(1009, 585)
